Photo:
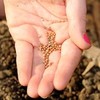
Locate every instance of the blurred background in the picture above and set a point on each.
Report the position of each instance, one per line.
(85, 83)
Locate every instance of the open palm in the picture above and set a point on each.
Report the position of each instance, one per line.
(28, 31)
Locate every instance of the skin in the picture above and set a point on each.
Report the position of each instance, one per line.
(28, 31)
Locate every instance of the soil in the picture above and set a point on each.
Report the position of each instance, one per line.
(85, 83)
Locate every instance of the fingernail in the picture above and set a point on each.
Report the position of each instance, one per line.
(86, 38)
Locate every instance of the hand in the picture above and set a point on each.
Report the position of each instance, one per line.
(27, 30)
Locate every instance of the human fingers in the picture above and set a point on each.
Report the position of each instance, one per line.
(25, 38)
(76, 14)
(37, 73)
(70, 57)
(61, 30)
(46, 85)
(24, 53)
(42, 34)
(26, 33)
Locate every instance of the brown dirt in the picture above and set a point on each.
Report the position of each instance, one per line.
(85, 83)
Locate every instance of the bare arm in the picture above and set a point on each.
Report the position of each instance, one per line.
(2, 12)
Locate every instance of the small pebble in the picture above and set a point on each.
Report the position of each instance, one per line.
(2, 75)
(98, 87)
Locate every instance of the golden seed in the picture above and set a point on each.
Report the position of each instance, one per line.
(49, 48)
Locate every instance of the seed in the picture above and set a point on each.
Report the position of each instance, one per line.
(49, 48)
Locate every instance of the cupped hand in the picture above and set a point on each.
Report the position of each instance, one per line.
(26, 25)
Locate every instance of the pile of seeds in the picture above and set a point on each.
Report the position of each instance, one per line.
(49, 48)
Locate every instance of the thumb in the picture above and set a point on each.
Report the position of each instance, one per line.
(76, 13)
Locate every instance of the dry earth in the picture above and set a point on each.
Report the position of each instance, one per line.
(85, 83)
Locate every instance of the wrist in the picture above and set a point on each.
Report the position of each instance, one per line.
(2, 11)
